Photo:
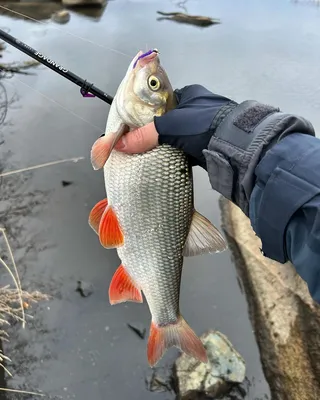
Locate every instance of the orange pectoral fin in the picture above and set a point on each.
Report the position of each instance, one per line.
(96, 214)
(110, 233)
(103, 146)
(123, 288)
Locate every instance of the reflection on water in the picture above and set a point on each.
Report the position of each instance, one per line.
(20, 202)
(43, 10)
(315, 3)
(19, 207)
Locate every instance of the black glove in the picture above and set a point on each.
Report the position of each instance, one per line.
(226, 138)
(191, 124)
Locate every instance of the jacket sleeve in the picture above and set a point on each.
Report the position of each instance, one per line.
(285, 206)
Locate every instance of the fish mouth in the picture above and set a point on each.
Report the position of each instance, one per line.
(146, 58)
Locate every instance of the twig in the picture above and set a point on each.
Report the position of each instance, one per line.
(6, 370)
(4, 357)
(21, 391)
(75, 159)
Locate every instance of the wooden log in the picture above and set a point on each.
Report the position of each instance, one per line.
(197, 20)
(285, 318)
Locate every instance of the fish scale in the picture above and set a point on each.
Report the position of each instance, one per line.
(149, 215)
(152, 251)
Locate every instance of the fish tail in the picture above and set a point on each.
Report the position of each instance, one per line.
(179, 334)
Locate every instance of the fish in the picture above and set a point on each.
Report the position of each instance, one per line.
(148, 215)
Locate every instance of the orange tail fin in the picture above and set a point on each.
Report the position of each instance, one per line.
(180, 335)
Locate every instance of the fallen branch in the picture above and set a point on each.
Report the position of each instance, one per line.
(188, 19)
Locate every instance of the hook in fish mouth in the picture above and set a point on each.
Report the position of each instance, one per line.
(145, 55)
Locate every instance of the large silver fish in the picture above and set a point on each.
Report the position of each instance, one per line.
(149, 215)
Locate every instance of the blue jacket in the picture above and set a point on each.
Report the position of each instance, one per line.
(285, 206)
(265, 161)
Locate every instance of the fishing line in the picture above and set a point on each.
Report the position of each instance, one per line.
(66, 32)
(58, 104)
(87, 89)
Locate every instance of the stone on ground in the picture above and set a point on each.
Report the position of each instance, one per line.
(71, 3)
(225, 367)
(61, 16)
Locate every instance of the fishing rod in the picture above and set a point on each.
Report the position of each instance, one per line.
(87, 88)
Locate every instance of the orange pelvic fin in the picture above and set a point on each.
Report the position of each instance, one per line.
(123, 288)
(110, 233)
(103, 146)
(96, 214)
(203, 237)
(180, 334)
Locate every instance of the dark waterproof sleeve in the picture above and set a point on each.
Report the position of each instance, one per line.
(255, 158)
(285, 206)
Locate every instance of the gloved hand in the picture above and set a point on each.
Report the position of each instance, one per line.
(189, 126)
(226, 138)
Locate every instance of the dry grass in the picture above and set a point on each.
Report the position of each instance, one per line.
(13, 303)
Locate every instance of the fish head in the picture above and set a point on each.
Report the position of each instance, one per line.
(146, 91)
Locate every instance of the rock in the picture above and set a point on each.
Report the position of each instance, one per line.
(285, 318)
(159, 382)
(66, 183)
(31, 9)
(61, 17)
(71, 3)
(225, 367)
(84, 288)
(43, 10)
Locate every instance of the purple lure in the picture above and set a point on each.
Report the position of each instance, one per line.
(86, 94)
(144, 55)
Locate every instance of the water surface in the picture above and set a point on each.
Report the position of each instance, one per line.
(80, 348)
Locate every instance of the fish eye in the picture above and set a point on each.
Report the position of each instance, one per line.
(154, 83)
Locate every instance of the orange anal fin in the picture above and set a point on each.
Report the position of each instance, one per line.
(123, 288)
(96, 214)
(110, 233)
(103, 146)
(179, 335)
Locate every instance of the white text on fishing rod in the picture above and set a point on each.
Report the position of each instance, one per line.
(51, 62)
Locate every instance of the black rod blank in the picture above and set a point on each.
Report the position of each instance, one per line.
(87, 89)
